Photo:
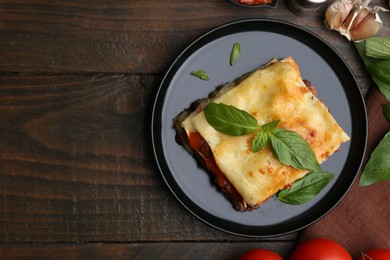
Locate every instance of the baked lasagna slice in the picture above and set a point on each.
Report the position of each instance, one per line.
(273, 92)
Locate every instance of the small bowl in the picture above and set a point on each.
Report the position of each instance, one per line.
(271, 5)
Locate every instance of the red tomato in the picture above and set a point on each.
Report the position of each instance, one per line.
(260, 254)
(376, 254)
(320, 249)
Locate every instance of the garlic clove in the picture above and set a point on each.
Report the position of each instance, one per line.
(364, 14)
(353, 19)
(335, 22)
(336, 13)
(367, 27)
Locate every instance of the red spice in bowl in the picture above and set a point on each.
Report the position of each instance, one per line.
(256, 3)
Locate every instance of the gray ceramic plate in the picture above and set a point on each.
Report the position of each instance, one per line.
(260, 41)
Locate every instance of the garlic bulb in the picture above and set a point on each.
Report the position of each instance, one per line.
(354, 19)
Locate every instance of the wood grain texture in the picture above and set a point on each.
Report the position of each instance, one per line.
(76, 163)
(190, 250)
(127, 36)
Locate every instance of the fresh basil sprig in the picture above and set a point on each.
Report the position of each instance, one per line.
(291, 149)
(235, 53)
(377, 65)
(378, 166)
(381, 76)
(262, 136)
(306, 188)
(287, 146)
(229, 119)
(375, 53)
(200, 74)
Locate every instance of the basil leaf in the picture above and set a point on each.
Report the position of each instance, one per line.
(235, 53)
(380, 71)
(230, 120)
(262, 136)
(383, 87)
(386, 111)
(361, 48)
(377, 71)
(259, 141)
(291, 149)
(271, 125)
(378, 166)
(200, 74)
(378, 47)
(305, 188)
(381, 76)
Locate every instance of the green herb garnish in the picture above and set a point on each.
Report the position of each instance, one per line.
(375, 53)
(229, 119)
(378, 166)
(378, 47)
(306, 188)
(378, 67)
(287, 146)
(262, 136)
(235, 53)
(291, 149)
(200, 74)
(380, 73)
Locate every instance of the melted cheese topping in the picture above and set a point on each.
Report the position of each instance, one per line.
(275, 92)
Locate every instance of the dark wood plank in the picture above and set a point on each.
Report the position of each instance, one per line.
(77, 82)
(76, 163)
(190, 250)
(128, 36)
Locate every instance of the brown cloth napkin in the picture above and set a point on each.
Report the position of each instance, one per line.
(361, 221)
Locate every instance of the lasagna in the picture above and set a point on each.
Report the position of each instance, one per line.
(275, 91)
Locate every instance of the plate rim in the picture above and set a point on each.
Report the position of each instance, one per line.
(186, 201)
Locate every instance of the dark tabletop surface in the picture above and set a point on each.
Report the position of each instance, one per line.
(78, 79)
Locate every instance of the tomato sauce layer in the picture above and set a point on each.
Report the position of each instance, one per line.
(198, 143)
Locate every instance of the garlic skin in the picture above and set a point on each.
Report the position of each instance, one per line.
(337, 12)
(367, 27)
(354, 19)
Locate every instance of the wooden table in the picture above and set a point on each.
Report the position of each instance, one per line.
(77, 83)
